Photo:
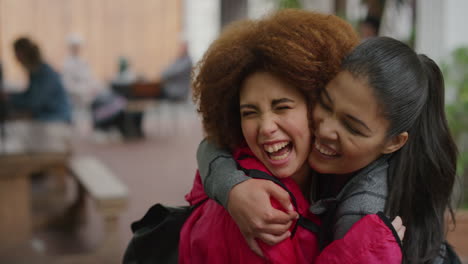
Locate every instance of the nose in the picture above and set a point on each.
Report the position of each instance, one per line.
(325, 128)
(268, 126)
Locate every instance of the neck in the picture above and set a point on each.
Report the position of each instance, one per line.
(303, 179)
(339, 181)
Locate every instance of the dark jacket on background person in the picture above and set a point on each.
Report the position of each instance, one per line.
(45, 97)
(175, 80)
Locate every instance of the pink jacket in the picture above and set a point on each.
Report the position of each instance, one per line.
(210, 235)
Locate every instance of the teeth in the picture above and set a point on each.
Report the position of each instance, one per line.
(323, 150)
(279, 157)
(275, 147)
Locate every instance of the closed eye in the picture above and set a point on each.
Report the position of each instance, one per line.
(353, 130)
(325, 106)
(247, 110)
(350, 128)
(283, 107)
(247, 113)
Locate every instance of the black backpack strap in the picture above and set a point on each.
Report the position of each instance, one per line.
(302, 221)
(158, 212)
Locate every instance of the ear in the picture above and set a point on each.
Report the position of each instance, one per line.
(395, 143)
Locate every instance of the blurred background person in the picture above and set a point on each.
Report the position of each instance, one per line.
(77, 77)
(175, 79)
(108, 107)
(125, 75)
(45, 98)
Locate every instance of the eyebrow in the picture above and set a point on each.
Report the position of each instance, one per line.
(273, 103)
(242, 106)
(358, 121)
(282, 100)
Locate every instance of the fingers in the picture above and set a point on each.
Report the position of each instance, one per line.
(399, 227)
(280, 195)
(275, 216)
(397, 222)
(254, 246)
(276, 229)
(272, 239)
(401, 232)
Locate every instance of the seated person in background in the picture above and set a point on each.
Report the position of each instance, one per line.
(175, 79)
(125, 75)
(79, 82)
(45, 98)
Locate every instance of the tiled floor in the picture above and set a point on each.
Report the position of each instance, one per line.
(159, 168)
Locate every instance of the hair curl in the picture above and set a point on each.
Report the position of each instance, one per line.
(302, 48)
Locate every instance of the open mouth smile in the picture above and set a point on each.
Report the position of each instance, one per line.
(325, 150)
(278, 151)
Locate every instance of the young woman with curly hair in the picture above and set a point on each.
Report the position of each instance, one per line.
(254, 90)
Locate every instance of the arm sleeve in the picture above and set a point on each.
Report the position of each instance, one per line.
(371, 240)
(353, 209)
(343, 225)
(218, 171)
(18, 100)
(39, 93)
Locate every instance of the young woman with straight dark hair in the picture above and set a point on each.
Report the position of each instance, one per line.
(410, 89)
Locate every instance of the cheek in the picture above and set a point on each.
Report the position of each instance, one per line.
(249, 131)
(362, 152)
(298, 126)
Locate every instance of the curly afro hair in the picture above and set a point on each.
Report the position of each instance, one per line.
(302, 48)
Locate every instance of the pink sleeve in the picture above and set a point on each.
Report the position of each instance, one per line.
(370, 240)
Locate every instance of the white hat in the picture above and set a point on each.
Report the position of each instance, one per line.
(74, 39)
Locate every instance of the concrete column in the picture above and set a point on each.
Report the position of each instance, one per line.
(202, 25)
(258, 8)
(430, 24)
(440, 27)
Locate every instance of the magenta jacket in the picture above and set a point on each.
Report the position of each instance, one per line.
(210, 235)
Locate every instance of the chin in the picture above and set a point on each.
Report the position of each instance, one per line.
(282, 174)
(318, 169)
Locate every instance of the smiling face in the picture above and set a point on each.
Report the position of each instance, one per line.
(350, 131)
(275, 124)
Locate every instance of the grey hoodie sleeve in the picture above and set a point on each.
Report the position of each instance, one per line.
(218, 171)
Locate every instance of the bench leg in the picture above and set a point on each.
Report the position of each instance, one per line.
(15, 211)
(110, 245)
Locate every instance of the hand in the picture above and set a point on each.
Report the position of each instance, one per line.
(250, 206)
(399, 227)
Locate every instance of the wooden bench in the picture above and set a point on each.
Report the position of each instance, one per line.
(109, 194)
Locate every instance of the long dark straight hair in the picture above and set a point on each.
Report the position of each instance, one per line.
(410, 91)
